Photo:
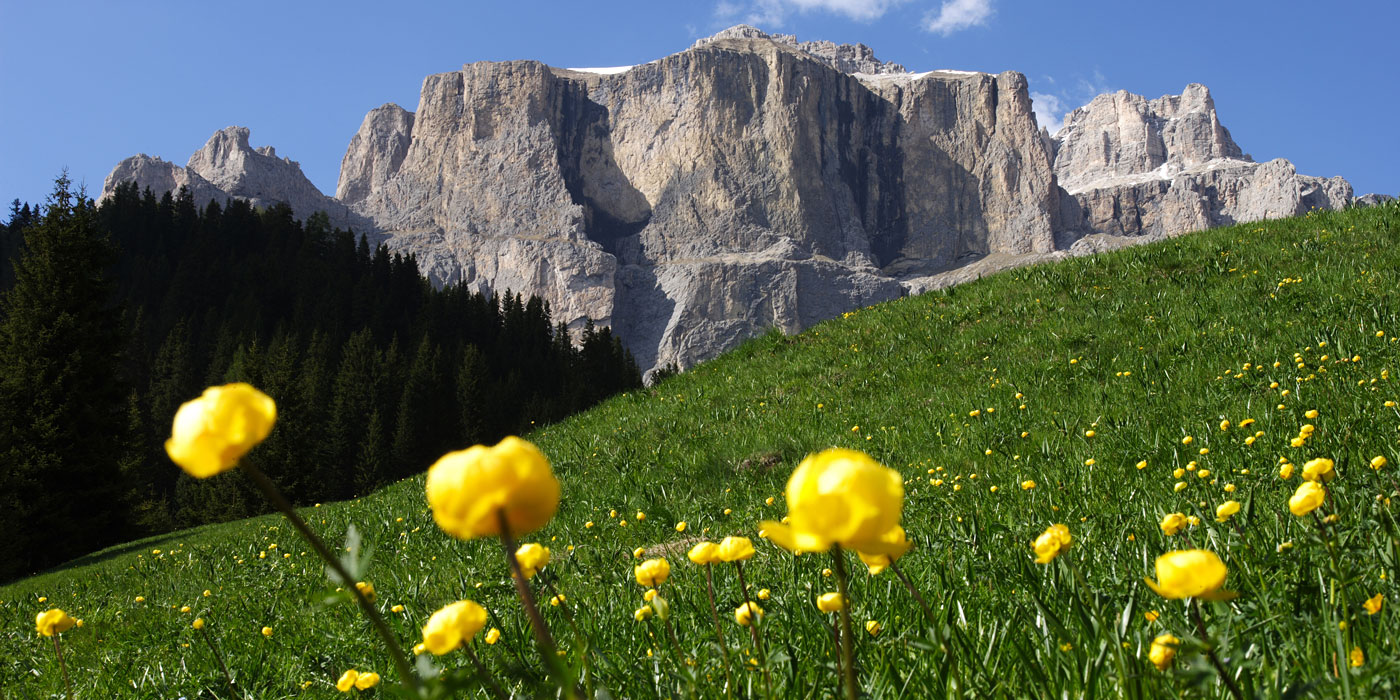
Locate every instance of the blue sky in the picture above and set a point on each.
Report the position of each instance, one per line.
(86, 83)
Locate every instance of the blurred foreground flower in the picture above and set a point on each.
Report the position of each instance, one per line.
(1190, 573)
(1163, 651)
(744, 614)
(841, 497)
(467, 488)
(532, 557)
(1307, 498)
(652, 572)
(51, 622)
(1051, 543)
(454, 624)
(211, 433)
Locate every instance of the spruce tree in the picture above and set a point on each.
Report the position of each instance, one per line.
(63, 405)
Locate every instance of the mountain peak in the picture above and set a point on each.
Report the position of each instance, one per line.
(847, 58)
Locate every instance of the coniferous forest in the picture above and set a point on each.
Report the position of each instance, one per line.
(111, 316)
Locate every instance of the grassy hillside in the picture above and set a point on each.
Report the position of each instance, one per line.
(1067, 375)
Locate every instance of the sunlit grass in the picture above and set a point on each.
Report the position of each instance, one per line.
(971, 393)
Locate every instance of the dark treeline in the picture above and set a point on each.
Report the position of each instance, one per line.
(112, 316)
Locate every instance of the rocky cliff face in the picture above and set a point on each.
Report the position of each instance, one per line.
(1134, 167)
(754, 181)
(226, 167)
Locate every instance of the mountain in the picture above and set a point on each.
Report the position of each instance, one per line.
(755, 181)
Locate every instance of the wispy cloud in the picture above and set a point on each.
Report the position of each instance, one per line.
(775, 12)
(1053, 108)
(1049, 111)
(956, 15)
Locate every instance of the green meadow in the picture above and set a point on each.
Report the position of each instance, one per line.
(1028, 398)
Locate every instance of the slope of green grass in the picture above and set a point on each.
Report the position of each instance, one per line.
(968, 393)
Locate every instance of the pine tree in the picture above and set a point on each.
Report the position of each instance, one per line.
(63, 405)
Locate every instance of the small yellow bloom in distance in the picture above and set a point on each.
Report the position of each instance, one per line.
(745, 613)
(1378, 461)
(735, 549)
(843, 497)
(1178, 473)
(211, 433)
(367, 589)
(1225, 425)
(826, 573)
(1226, 510)
(1163, 651)
(1051, 543)
(1357, 657)
(1180, 486)
(452, 625)
(639, 552)
(1142, 464)
(140, 599)
(1089, 433)
(1151, 615)
(367, 681)
(493, 635)
(198, 623)
(185, 609)
(1320, 469)
(704, 553)
(1373, 604)
(1285, 472)
(468, 488)
(873, 627)
(830, 602)
(53, 621)
(764, 594)
(1027, 485)
(532, 557)
(641, 516)
(397, 609)
(207, 593)
(266, 631)
(1310, 414)
(650, 594)
(652, 572)
(643, 613)
(681, 526)
(1173, 523)
(1190, 573)
(1187, 440)
(347, 681)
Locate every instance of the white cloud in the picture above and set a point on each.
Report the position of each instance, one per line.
(774, 12)
(1049, 111)
(958, 14)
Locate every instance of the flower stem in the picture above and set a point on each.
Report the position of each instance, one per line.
(220, 660)
(1210, 651)
(67, 684)
(382, 628)
(719, 630)
(753, 630)
(848, 639)
(485, 675)
(522, 588)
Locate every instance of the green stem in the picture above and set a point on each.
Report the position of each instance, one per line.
(67, 684)
(522, 588)
(719, 630)
(753, 630)
(848, 639)
(1210, 651)
(220, 660)
(280, 502)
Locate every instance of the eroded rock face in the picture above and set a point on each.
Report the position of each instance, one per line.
(1134, 167)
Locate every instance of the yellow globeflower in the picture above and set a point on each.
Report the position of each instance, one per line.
(367, 680)
(51, 622)
(879, 562)
(841, 497)
(1285, 472)
(454, 624)
(347, 681)
(467, 488)
(211, 433)
(198, 623)
(704, 553)
(532, 558)
(1373, 604)
(735, 549)
(1051, 543)
(1378, 461)
(1163, 651)
(493, 635)
(1320, 469)
(1307, 498)
(266, 631)
(1226, 510)
(367, 589)
(1190, 573)
(745, 613)
(652, 572)
(643, 613)
(873, 627)
(1173, 523)
(1357, 656)
(830, 602)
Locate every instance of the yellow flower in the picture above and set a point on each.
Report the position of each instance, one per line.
(1179, 486)
(1225, 510)
(879, 562)
(1142, 464)
(643, 613)
(1193, 520)
(1357, 657)
(466, 489)
(454, 624)
(1163, 651)
(1307, 498)
(652, 572)
(1286, 471)
(650, 594)
(744, 614)
(367, 589)
(1187, 440)
(841, 497)
(1378, 462)
(639, 552)
(1173, 523)
(1225, 425)
(1027, 485)
(680, 526)
(184, 608)
(641, 516)
(367, 680)
(1051, 543)
(873, 627)
(1373, 604)
(1178, 473)
(1151, 615)
(532, 558)
(735, 549)
(266, 631)
(51, 622)
(198, 623)
(347, 681)
(830, 602)
(1190, 573)
(704, 553)
(493, 635)
(396, 608)
(764, 594)
(1319, 469)
(211, 433)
